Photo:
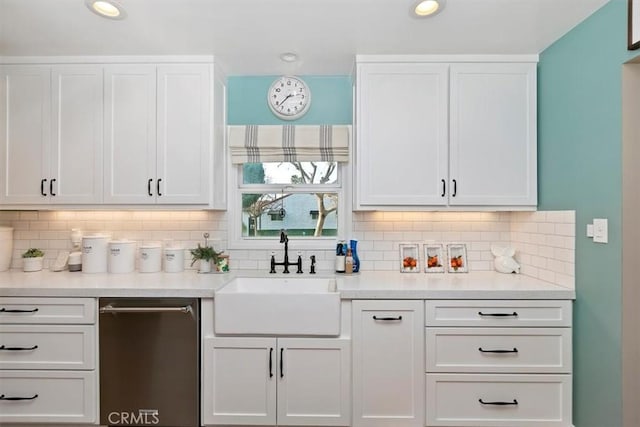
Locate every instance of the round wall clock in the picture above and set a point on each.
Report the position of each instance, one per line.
(289, 97)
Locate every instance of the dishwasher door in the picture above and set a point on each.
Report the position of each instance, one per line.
(150, 362)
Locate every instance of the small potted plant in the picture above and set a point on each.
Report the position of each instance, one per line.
(205, 254)
(32, 260)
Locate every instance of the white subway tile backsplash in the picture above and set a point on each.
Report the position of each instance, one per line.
(544, 241)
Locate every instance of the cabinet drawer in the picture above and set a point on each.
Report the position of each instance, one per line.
(533, 313)
(514, 350)
(49, 396)
(47, 347)
(509, 400)
(47, 310)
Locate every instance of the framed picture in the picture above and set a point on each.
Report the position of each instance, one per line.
(634, 25)
(409, 258)
(433, 258)
(457, 258)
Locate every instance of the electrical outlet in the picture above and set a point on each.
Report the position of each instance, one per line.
(600, 230)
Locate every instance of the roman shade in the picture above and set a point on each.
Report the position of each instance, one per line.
(289, 143)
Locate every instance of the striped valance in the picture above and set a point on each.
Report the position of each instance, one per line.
(289, 143)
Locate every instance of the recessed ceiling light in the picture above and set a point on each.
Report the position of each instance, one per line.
(106, 8)
(289, 56)
(428, 7)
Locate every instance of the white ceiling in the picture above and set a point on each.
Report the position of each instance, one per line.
(248, 35)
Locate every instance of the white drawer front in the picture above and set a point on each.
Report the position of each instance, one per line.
(48, 310)
(508, 350)
(532, 313)
(62, 397)
(456, 400)
(47, 346)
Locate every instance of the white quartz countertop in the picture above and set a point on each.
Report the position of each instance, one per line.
(365, 285)
(474, 285)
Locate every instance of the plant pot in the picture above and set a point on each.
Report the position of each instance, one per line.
(204, 266)
(32, 264)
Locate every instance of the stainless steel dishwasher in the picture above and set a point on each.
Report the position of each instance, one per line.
(150, 362)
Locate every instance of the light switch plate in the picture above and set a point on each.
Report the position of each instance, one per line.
(600, 230)
(589, 230)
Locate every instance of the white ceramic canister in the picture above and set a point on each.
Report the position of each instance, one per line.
(173, 259)
(150, 258)
(94, 253)
(122, 256)
(6, 247)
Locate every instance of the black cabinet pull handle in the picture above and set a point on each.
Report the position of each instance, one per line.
(515, 402)
(514, 314)
(3, 397)
(51, 187)
(2, 347)
(388, 319)
(282, 363)
(271, 362)
(42, 181)
(158, 187)
(149, 187)
(444, 187)
(9, 310)
(455, 188)
(515, 350)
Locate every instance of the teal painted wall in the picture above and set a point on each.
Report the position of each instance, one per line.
(331, 101)
(579, 167)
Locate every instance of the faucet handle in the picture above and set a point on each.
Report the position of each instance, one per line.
(273, 263)
(313, 265)
(299, 263)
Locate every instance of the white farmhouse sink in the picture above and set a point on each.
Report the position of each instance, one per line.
(278, 306)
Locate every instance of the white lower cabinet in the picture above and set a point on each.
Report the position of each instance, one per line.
(498, 363)
(48, 396)
(277, 381)
(388, 368)
(507, 400)
(48, 355)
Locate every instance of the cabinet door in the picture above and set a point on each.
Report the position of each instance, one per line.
(25, 133)
(314, 382)
(184, 133)
(76, 164)
(239, 377)
(388, 363)
(493, 134)
(402, 134)
(130, 134)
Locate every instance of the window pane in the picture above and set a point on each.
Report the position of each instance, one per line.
(302, 214)
(290, 173)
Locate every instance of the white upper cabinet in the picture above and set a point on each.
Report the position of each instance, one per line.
(130, 134)
(445, 135)
(158, 134)
(87, 132)
(51, 127)
(25, 137)
(493, 139)
(402, 134)
(184, 133)
(76, 162)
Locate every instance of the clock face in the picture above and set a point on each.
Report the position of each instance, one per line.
(289, 97)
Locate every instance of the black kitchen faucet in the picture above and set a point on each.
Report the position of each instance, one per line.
(285, 239)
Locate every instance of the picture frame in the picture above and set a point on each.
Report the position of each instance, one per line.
(433, 258)
(633, 38)
(457, 258)
(409, 257)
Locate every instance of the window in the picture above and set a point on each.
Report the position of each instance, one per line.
(290, 190)
(288, 177)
